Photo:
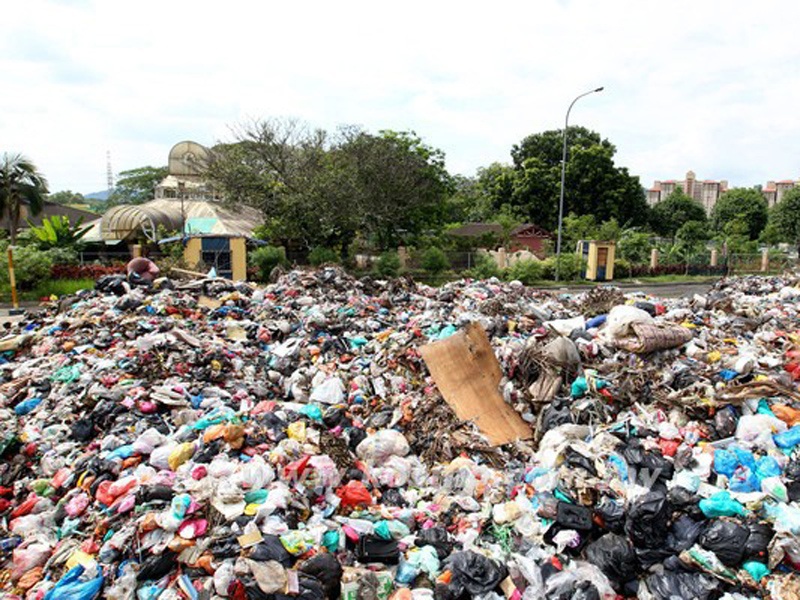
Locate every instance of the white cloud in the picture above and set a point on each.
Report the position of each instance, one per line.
(705, 86)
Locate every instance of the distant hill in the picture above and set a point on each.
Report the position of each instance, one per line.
(97, 195)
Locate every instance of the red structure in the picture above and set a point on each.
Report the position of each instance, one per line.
(523, 237)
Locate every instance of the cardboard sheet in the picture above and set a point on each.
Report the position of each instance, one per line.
(467, 373)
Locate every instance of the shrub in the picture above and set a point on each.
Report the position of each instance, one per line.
(59, 271)
(321, 255)
(388, 264)
(622, 268)
(434, 260)
(570, 267)
(63, 256)
(266, 258)
(31, 266)
(485, 267)
(528, 271)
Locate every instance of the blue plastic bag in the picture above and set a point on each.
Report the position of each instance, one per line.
(789, 438)
(71, 587)
(744, 480)
(596, 321)
(725, 462)
(766, 466)
(26, 406)
(721, 505)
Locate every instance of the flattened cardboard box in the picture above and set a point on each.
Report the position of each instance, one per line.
(467, 373)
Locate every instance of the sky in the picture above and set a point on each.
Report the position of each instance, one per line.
(702, 85)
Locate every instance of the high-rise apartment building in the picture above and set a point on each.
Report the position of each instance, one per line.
(705, 192)
(774, 190)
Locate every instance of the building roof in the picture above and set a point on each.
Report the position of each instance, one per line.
(50, 209)
(479, 229)
(128, 221)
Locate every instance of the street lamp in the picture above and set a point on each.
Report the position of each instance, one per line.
(563, 175)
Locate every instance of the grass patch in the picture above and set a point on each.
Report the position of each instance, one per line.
(51, 287)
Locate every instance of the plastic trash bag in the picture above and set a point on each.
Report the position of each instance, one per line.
(579, 581)
(77, 584)
(614, 556)
(647, 519)
(727, 540)
(670, 585)
(379, 447)
(438, 538)
(722, 505)
(758, 541)
(474, 573)
(327, 570)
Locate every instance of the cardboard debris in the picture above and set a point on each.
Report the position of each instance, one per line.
(467, 374)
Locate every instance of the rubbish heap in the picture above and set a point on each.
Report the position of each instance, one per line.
(215, 440)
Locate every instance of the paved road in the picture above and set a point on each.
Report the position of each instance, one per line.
(671, 290)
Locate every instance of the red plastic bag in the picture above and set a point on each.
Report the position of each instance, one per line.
(354, 493)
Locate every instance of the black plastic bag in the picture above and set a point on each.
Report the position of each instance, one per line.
(327, 570)
(271, 548)
(761, 535)
(438, 538)
(574, 516)
(556, 414)
(670, 585)
(727, 540)
(310, 589)
(574, 590)
(646, 523)
(684, 533)
(577, 460)
(111, 284)
(155, 493)
(612, 513)
(474, 573)
(372, 548)
(614, 556)
(156, 566)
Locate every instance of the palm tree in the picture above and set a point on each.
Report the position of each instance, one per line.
(20, 183)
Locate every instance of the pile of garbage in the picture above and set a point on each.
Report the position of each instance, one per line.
(216, 440)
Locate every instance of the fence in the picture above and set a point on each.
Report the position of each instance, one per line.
(742, 264)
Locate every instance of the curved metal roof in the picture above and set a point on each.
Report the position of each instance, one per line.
(121, 222)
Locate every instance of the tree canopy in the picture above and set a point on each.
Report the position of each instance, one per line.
(746, 204)
(137, 186)
(677, 209)
(786, 215)
(20, 183)
(594, 185)
(324, 189)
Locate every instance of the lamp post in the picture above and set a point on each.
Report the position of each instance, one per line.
(563, 175)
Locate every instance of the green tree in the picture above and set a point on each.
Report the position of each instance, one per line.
(137, 186)
(746, 204)
(508, 221)
(20, 184)
(325, 190)
(576, 228)
(786, 216)
(770, 235)
(496, 183)
(691, 239)
(435, 260)
(66, 197)
(669, 215)
(57, 232)
(609, 230)
(634, 246)
(593, 183)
